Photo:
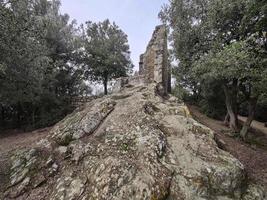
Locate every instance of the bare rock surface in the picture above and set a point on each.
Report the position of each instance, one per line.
(133, 144)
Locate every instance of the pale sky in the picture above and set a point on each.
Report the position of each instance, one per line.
(137, 18)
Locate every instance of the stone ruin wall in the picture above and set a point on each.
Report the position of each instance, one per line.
(154, 65)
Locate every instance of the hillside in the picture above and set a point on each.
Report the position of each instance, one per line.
(133, 144)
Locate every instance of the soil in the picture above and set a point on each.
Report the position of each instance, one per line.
(253, 153)
(16, 139)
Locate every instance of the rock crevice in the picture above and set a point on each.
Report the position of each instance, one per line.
(145, 147)
(138, 144)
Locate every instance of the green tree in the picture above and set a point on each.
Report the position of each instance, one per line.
(106, 53)
(227, 36)
(39, 71)
(189, 37)
(23, 56)
(242, 67)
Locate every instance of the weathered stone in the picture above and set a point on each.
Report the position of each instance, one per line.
(39, 181)
(53, 169)
(84, 123)
(22, 162)
(154, 62)
(255, 192)
(20, 189)
(136, 145)
(19, 176)
(62, 150)
(154, 66)
(44, 143)
(187, 158)
(143, 147)
(68, 188)
(49, 161)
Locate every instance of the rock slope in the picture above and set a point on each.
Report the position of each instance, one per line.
(134, 144)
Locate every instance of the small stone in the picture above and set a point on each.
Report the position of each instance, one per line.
(69, 188)
(55, 167)
(31, 154)
(19, 177)
(45, 143)
(17, 163)
(39, 181)
(255, 192)
(21, 188)
(120, 181)
(24, 184)
(49, 161)
(62, 150)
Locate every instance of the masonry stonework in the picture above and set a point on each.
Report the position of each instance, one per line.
(154, 65)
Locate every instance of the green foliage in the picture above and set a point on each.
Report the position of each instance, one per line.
(38, 71)
(261, 110)
(180, 92)
(189, 37)
(212, 101)
(235, 61)
(106, 52)
(222, 43)
(45, 60)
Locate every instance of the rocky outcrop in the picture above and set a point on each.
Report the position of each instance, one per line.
(134, 144)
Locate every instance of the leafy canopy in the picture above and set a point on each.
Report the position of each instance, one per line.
(107, 51)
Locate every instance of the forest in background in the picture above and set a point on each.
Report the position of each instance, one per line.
(221, 46)
(46, 59)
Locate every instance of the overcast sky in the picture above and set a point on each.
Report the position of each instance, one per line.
(137, 18)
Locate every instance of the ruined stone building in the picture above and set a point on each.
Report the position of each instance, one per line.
(154, 65)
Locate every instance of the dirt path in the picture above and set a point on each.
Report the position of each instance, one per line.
(253, 156)
(11, 140)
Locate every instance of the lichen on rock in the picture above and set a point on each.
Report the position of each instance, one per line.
(82, 123)
(135, 144)
(138, 147)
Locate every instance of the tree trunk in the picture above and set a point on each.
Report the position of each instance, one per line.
(230, 101)
(105, 84)
(251, 112)
(226, 119)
